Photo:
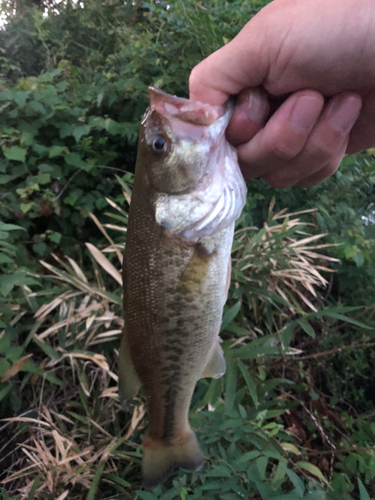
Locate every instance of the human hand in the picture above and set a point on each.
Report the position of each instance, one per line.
(318, 56)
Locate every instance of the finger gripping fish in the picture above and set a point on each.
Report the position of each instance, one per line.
(188, 191)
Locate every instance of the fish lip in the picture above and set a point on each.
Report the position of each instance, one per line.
(187, 110)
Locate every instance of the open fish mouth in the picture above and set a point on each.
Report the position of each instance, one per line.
(185, 110)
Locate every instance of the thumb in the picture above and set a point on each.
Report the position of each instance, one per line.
(239, 64)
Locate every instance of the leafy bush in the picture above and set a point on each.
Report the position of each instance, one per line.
(295, 409)
(244, 421)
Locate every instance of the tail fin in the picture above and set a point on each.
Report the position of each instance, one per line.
(159, 459)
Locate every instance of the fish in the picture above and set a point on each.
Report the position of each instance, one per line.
(188, 191)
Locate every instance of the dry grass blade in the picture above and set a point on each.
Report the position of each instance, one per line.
(47, 308)
(138, 414)
(98, 223)
(116, 228)
(282, 214)
(116, 207)
(76, 283)
(299, 243)
(15, 368)
(63, 495)
(104, 263)
(99, 359)
(77, 270)
(284, 257)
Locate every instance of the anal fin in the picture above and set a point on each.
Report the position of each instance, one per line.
(128, 380)
(216, 366)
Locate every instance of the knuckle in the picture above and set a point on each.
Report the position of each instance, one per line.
(285, 149)
(331, 167)
(195, 78)
(323, 150)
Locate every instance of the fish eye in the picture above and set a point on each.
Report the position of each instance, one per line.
(159, 145)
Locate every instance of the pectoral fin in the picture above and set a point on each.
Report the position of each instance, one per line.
(128, 381)
(216, 365)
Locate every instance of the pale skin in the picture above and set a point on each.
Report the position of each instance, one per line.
(318, 58)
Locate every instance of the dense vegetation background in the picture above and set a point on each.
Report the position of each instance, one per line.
(294, 416)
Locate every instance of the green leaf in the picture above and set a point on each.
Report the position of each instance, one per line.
(9, 281)
(54, 170)
(46, 348)
(296, 481)
(80, 131)
(25, 207)
(249, 382)
(55, 151)
(363, 495)
(112, 127)
(66, 129)
(31, 495)
(250, 455)
(171, 494)
(43, 178)
(264, 490)
(4, 259)
(219, 471)
(38, 107)
(10, 227)
(14, 353)
(230, 385)
(313, 469)
(15, 153)
(347, 319)
(75, 160)
(41, 249)
(4, 343)
(119, 480)
(94, 485)
(261, 464)
(5, 391)
(229, 315)
(291, 447)
(4, 365)
(20, 98)
(61, 86)
(306, 327)
(55, 237)
(359, 259)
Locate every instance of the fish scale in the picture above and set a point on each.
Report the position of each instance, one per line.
(175, 271)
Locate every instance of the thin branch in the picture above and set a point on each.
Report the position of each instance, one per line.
(337, 452)
(78, 171)
(67, 184)
(333, 351)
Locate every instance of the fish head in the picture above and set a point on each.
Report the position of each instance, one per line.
(177, 138)
(191, 171)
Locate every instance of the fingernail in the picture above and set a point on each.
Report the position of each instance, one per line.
(344, 112)
(256, 106)
(305, 112)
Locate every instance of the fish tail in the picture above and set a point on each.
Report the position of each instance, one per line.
(160, 458)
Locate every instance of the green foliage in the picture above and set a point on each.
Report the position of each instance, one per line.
(78, 109)
(242, 419)
(295, 410)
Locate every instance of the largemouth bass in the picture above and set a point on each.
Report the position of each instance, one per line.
(188, 191)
